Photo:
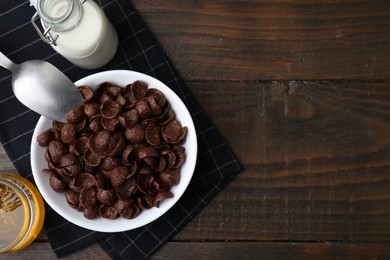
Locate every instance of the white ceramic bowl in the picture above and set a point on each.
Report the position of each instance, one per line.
(57, 200)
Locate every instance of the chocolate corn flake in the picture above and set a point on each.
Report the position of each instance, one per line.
(118, 154)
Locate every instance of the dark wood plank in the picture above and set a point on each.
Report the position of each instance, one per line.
(272, 250)
(5, 163)
(262, 40)
(316, 152)
(229, 250)
(316, 158)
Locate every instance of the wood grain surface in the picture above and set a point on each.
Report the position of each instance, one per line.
(229, 251)
(300, 90)
(273, 40)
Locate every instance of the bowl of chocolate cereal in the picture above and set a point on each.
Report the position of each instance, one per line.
(122, 159)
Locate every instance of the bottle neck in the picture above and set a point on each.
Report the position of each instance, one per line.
(60, 15)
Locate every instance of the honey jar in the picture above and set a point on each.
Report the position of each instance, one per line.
(21, 213)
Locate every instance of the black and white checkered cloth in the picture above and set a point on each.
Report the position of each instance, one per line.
(138, 51)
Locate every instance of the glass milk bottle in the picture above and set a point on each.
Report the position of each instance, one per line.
(78, 30)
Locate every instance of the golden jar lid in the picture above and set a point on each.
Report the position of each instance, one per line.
(21, 213)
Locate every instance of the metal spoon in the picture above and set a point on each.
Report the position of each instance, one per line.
(43, 88)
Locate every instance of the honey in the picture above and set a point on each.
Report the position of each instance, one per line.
(21, 213)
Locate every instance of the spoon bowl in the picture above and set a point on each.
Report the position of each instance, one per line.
(43, 88)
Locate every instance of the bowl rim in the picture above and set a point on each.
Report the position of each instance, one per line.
(57, 200)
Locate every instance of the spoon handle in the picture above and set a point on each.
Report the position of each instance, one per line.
(6, 63)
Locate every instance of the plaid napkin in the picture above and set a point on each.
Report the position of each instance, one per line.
(138, 51)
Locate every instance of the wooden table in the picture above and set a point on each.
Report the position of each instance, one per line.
(300, 89)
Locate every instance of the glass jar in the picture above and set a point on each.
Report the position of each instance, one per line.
(21, 213)
(78, 30)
